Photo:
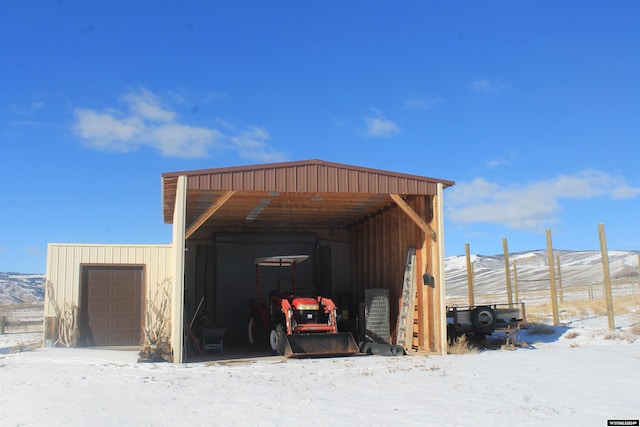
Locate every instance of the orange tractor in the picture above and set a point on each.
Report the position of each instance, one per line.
(294, 325)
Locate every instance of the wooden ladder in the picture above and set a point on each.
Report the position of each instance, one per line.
(404, 333)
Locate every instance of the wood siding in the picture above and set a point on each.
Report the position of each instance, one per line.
(379, 246)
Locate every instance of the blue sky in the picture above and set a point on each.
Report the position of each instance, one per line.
(532, 107)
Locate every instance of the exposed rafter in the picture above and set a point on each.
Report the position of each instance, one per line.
(413, 215)
(208, 213)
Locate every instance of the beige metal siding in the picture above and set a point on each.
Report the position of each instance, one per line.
(63, 273)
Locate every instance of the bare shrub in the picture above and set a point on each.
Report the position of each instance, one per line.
(571, 335)
(462, 345)
(68, 325)
(619, 335)
(157, 329)
(67, 319)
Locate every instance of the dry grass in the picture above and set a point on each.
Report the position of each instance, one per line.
(620, 335)
(543, 313)
(537, 314)
(635, 329)
(462, 345)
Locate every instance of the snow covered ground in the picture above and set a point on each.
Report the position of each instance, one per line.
(577, 374)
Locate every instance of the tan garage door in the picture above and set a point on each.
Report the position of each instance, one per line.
(111, 305)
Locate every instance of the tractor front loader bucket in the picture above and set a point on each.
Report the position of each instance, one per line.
(320, 345)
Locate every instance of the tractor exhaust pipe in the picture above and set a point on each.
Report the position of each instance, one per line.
(320, 345)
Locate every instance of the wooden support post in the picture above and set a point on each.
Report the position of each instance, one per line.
(559, 280)
(515, 282)
(469, 275)
(2, 323)
(552, 279)
(507, 273)
(607, 276)
(437, 258)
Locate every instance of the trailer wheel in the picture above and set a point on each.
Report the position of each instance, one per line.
(277, 339)
(483, 319)
(451, 333)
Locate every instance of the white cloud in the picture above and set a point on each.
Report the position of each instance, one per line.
(108, 130)
(590, 184)
(28, 110)
(488, 86)
(150, 123)
(533, 206)
(176, 140)
(212, 96)
(251, 144)
(340, 121)
(417, 102)
(504, 159)
(497, 163)
(146, 105)
(377, 127)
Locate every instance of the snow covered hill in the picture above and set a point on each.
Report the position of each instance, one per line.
(19, 288)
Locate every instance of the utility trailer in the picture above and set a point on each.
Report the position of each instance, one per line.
(485, 319)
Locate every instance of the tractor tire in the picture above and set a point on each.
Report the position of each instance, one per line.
(255, 331)
(397, 350)
(483, 319)
(277, 339)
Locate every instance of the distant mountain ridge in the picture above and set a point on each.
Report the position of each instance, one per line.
(20, 288)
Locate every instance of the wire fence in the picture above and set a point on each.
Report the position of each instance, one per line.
(578, 276)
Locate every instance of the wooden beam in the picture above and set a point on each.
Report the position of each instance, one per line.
(413, 215)
(208, 213)
(437, 259)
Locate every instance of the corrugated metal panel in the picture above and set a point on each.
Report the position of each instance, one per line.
(290, 176)
(64, 261)
(299, 177)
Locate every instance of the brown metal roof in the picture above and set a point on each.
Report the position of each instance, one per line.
(311, 193)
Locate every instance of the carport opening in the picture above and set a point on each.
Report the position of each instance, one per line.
(222, 286)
